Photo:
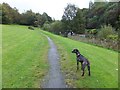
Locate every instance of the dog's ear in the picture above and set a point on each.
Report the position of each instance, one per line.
(73, 51)
(77, 50)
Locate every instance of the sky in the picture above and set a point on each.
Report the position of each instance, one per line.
(54, 8)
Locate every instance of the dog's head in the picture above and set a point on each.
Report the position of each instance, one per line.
(75, 50)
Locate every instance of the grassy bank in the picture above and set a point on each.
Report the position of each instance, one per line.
(0, 56)
(24, 61)
(104, 64)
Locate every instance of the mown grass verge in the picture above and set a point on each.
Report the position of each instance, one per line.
(0, 56)
(24, 62)
(104, 64)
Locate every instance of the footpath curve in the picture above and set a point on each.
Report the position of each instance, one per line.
(54, 79)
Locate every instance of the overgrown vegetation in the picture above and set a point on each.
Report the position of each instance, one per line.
(105, 37)
(105, 32)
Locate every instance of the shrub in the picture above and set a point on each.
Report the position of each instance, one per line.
(46, 27)
(112, 37)
(93, 31)
(31, 28)
(105, 31)
(56, 27)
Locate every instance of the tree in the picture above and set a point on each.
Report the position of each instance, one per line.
(6, 14)
(28, 18)
(45, 18)
(95, 17)
(56, 27)
(68, 16)
(9, 15)
(79, 22)
(0, 13)
(112, 14)
(16, 16)
(91, 5)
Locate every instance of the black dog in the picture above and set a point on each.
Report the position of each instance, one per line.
(83, 60)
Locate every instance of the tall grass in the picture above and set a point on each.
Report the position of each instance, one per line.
(105, 37)
(110, 44)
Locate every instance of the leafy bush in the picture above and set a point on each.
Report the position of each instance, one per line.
(93, 31)
(31, 28)
(56, 27)
(46, 27)
(112, 37)
(105, 31)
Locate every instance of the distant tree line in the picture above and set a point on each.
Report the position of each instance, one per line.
(74, 19)
(81, 21)
(9, 15)
(98, 14)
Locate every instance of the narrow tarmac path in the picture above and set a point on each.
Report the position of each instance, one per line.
(54, 79)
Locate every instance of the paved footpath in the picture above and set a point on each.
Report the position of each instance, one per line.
(54, 79)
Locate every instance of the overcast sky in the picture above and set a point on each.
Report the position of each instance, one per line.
(54, 8)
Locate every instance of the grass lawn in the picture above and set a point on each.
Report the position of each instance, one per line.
(0, 57)
(24, 61)
(104, 64)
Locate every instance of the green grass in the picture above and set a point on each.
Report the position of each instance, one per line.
(0, 57)
(104, 63)
(24, 63)
(24, 60)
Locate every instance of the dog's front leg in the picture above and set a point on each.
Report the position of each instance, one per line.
(81, 66)
(77, 65)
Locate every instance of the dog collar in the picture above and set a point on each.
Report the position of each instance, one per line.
(78, 55)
